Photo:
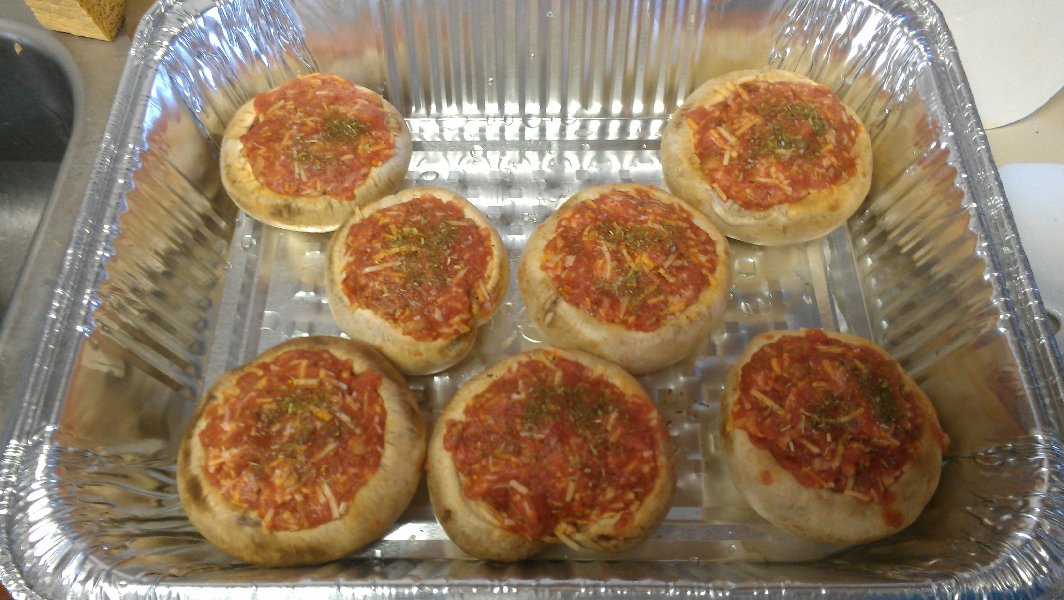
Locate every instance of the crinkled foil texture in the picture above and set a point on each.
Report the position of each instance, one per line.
(517, 105)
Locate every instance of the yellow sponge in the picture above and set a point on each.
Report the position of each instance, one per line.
(99, 19)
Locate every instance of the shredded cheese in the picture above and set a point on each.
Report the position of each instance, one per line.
(766, 400)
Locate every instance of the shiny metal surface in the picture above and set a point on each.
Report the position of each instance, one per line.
(31, 309)
(517, 105)
(36, 117)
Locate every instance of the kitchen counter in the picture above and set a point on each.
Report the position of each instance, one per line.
(1039, 138)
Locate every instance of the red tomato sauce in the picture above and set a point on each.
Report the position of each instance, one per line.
(296, 440)
(420, 265)
(835, 415)
(318, 134)
(550, 444)
(772, 143)
(630, 259)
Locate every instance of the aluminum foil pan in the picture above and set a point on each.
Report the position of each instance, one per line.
(517, 104)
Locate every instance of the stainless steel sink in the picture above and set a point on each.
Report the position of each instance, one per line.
(58, 88)
(36, 120)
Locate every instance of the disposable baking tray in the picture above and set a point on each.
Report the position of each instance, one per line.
(517, 104)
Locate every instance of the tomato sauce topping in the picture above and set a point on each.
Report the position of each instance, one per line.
(296, 440)
(550, 445)
(835, 415)
(318, 134)
(772, 143)
(630, 259)
(420, 265)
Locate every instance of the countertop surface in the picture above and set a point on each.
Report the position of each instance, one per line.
(1038, 138)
